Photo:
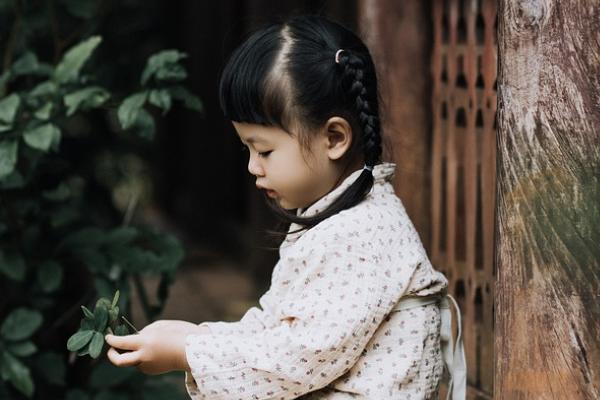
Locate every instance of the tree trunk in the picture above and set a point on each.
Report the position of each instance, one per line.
(547, 222)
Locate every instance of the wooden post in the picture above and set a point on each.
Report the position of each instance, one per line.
(547, 218)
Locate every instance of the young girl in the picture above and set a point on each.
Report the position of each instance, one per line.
(355, 309)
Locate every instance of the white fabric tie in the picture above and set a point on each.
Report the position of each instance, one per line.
(453, 354)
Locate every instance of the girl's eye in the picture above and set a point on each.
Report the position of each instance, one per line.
(265, 153)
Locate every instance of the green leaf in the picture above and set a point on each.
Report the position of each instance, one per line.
(85, 99)
(189, 100)
(87, 313)
(100, 317)
(8, 108)
(144, 125)
(8, 157)
(161, 98)
(79, 339)
(164, 66)
(113, 314)
(5, 128)
(96, 344)
(130, 108)
(43, 114)
(106, 375)
(52, 367)
(70, 65)
(42, 137)
(121, 235)
(84, 352)
(12, 265)
(22, 349)
(86, 324)
(46, 88)
(21, 324)
(50, 276)
(26, 64)
(115, 299)
(18, 374)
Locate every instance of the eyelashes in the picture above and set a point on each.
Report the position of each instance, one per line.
(261, 154)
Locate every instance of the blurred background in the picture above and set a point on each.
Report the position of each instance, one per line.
(167, 161)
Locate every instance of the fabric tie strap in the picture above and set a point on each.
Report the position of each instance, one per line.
(453, 354)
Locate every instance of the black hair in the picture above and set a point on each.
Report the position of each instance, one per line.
(285, 75)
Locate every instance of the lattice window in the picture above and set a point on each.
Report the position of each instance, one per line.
(463, 171)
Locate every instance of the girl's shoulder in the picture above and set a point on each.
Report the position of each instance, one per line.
(380, 216)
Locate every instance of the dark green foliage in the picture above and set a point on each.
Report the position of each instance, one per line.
(77, 110)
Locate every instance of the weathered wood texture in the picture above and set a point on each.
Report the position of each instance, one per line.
(396, 32)
(437, 66)
(547, 223)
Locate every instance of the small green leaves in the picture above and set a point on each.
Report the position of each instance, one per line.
(49, 276)
(42, 137)
(89, 339)
(79, 339)
(100, 317)
(115, 300)
(70, 65)
(11, 262)
(164, 66)
(96, 344)
(8, 157)
(85, 99)
(20, 324)
(88, 314)
(8, 108)
(130, 109)
(17, 373)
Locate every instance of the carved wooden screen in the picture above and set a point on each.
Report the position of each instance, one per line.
(463, 172)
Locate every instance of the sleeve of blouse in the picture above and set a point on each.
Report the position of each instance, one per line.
(338, 299)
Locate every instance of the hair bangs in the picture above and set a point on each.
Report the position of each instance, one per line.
(251, 90)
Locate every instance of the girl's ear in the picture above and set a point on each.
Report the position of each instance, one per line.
(338, 137)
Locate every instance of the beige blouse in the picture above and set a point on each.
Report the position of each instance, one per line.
(327, 328)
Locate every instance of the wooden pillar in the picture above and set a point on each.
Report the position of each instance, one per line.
(547, 219)
(398, 35)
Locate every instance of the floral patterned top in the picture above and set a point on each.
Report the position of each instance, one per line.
(327, 328)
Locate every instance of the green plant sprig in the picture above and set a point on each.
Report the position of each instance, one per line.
(89, 339)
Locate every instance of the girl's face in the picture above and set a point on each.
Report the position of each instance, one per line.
(277, 162)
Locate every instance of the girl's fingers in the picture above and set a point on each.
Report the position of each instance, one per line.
(128, 359)
(127, 342)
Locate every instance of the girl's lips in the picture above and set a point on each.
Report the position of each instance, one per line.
(271, 193)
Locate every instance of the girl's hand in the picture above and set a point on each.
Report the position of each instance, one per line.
(156, 349)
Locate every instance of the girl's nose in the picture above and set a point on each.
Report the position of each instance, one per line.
(254, 167)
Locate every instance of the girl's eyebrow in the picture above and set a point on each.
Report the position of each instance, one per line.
(253, 139)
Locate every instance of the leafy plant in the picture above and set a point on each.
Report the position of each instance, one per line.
(89, 339)
(75, 133)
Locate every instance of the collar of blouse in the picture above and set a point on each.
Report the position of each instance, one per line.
(382, 173)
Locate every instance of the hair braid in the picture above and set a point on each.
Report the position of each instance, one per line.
(367, 113)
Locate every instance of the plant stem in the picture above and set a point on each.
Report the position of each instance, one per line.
(129, 323)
